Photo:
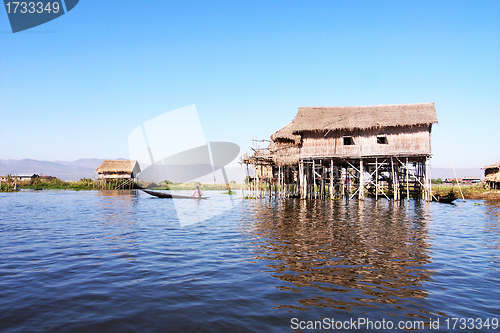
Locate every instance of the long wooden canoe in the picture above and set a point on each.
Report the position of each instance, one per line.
(170, 196)
(444, 199)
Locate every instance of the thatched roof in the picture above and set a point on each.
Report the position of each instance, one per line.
(284, 153)
(120, 166)
(492, 166)
(286, 134)
(492, 172)
(363, 117)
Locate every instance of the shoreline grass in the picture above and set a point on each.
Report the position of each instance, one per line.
(475, 191)
(86, 184)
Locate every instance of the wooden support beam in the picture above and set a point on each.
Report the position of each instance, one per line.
(361, 181)
(324, 185)
(314, 178)
(407, 181)
(394, 181)
(376, 178)
(331, 180)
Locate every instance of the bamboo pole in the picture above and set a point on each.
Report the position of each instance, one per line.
(348, 184)
(301, 180)
(376, 178)
(361, 181)
(393, 180)
(322, 195)
(430, 180)
(456, 179)
(314, 178)
(242, 180)
(407, 181)
(304, 181)
(279, 182)
(331, 179)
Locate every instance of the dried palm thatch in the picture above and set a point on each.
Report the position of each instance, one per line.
(363, 117)
(284, 153)
(117, 167)
(492, 166)
(492, 172)
(284, 146)
(286, 135)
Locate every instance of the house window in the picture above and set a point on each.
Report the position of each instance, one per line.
(348, 141)
(382, 140)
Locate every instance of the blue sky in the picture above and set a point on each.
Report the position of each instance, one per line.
(77, 86)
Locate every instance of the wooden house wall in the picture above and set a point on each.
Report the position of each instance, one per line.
(402, 141)
(285, 153)
(115, 176)
(264, 171)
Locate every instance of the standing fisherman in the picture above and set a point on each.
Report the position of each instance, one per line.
(197, 193)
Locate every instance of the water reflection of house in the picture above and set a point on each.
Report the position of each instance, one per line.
(355, 255)
(492, 175)
(121, 172)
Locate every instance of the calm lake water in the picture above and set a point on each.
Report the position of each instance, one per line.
(113, 262)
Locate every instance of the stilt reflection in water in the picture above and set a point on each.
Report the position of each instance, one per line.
(356, 254)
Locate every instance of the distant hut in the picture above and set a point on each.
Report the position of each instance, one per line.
(492, 175)
(124, 170)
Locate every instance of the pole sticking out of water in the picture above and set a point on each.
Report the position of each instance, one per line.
(456, 179)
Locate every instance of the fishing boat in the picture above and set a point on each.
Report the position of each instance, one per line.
(444, 198)
(170, 196)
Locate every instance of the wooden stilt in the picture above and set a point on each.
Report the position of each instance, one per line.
(348, 184)
(314, 178)
(331, 180)
(394, 190)
(407, 181)
(279, 182)
(322, 194)
(376, 178)
(361, 193)
(429, 178)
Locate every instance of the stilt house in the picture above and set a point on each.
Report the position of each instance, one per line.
(120, 169)
(382, 148)
(492, 175)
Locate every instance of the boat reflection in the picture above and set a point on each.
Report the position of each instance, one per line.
(356, 254)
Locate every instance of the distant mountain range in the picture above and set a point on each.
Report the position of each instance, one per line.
(461, 173)
(81, 168)
(61, 169)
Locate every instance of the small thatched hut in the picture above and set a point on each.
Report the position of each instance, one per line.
(361, 131)
(120, 169)
(492, 175)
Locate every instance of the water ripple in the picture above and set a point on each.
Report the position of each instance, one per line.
(119, 261)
